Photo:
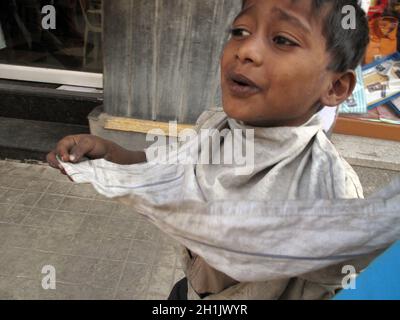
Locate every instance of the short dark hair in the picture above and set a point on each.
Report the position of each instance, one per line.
(347, 47)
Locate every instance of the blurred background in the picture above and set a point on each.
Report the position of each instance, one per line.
(75, 43)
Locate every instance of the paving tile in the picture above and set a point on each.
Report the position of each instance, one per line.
(20, 182)
(5, 167)
(57, 187)
(49, 201)
(2, 190)
(61, 292)
(121, 228)
(114, 248)
(4, 215)
(83, 191)
(143, 252)
(102, 208)
(73, 292)
(55, 241)
(166, 256)
(75, 204)
(25, 236)
(104, 198)
(161, 280)
(18, 172)
(31, 263)
(21, 289)
(124, 212)
(38, 185)
(147, 231)
(156, 296)
(125, 295)
(6, 287)
(5, 230)
(86, 244)
(96, 224)
(39, 217)
(101, 249)
(23, 170)
(6, 181)
(106, 274)
(66, 222)
(4, 207)
(10, 196)
(167, 240)
(17, 164)
(36, 171)
(16, 214)
(29, 198)
(53, 175)
(74, 270)
(134, 282)
(9, 258)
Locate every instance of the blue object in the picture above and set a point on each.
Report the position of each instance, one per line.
(380, 281)
(394, 108)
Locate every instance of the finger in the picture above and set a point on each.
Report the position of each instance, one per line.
(52, 160)
(84, 147)
(64, 147)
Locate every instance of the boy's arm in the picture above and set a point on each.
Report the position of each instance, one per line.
(120, 155)
(75, 148)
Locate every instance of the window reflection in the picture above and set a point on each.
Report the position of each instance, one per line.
(75, 43)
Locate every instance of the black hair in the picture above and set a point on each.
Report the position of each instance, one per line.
(346, 46)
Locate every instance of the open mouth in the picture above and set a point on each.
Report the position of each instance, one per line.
(241, 86)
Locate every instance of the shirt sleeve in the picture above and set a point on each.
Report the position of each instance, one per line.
(251, 241)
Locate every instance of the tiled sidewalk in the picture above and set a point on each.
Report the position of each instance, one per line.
(100, 249)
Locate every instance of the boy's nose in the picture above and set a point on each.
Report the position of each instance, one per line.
(250, 51)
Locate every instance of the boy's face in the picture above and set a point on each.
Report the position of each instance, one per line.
(274, 67)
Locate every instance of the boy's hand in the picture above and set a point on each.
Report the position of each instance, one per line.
(74, 148)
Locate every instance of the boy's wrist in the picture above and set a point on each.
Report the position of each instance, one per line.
(110, 150)
(119, 155)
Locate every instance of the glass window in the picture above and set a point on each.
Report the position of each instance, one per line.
(27, 36)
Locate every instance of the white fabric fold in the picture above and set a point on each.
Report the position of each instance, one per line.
(295, 214)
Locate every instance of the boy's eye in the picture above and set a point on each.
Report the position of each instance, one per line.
(283, 41)
(239, 32)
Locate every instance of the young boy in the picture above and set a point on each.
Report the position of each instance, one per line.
(285, 60)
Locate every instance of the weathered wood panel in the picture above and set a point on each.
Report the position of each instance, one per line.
(162, 56)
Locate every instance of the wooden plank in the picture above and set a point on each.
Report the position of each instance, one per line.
(368, 129)
(143, 126)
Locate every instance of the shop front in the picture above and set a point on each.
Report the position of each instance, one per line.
(157, 61)
(52, 41)
(51, 72)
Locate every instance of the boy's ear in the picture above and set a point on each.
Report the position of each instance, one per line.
(340, 88)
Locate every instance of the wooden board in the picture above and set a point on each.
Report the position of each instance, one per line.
(143, 126)
(367, 129)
